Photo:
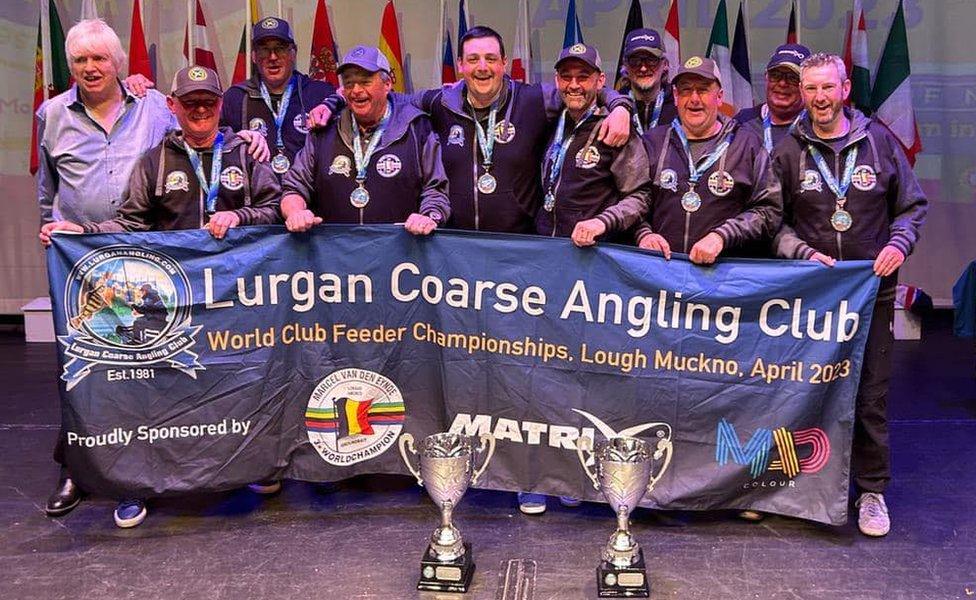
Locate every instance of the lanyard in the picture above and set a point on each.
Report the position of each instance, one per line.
(839, 189)
(487, 140)
(655, 115)
(211, 187)
(695, 172)
(279, 116)
(362, 156)
(767, 125)
(557, 151)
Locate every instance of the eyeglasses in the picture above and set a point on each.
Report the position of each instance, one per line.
(278, 49)
(199, 103)
(636, 62)
(778, 76)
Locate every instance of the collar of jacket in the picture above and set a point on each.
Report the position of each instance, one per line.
(402, 116)
(253, 85)
(803, 129)
(174, 139)
(453, 97)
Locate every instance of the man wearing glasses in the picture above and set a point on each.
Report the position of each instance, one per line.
(645, 68)
(772, 119)
(276, 99)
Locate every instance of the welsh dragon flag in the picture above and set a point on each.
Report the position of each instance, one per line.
(891, 98)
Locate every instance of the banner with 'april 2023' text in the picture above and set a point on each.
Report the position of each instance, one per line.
(189, 363)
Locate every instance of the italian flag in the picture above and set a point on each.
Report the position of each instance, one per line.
(891, 98)
(718, 50)
(856, 60)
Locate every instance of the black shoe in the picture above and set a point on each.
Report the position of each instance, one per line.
(64, 499)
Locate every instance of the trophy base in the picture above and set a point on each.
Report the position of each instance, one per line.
(452, 576)
(623, 582)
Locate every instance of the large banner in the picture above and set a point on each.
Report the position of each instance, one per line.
(189, 363)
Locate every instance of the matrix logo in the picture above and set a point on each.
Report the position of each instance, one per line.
(800, 451)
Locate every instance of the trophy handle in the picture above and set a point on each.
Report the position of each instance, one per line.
(486, 440)
(585, 444)
(664, 446)
(406, 444)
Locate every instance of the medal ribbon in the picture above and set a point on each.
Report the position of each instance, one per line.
(487, 140)
(557, 151)
(767, 125)
(839, 189)
(655, 114)
(209, 188)
(695, 172)
(359, 155)
(279, 117)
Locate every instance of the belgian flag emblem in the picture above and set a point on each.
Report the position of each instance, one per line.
(350, 417)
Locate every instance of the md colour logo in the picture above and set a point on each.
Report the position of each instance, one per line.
(773, 451)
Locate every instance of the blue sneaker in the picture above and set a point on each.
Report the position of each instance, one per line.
(130, 513)
(532, 504)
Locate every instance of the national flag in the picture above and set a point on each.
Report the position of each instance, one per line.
(390, 46)
(891, 98)
(88, 10)
(573, 34)
(34, 162)
(521, 52)
(138, 53)
(672, 36)
(635, 20)
(351, 417)
(463, 23)
(856, 60)
(60, 78)
(202, 55)
(718, 50)
(240, 65)
(447, 65)
(741, 78)
(323, 65)
(792, 28)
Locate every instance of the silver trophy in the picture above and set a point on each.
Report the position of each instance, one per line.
(447, 468)
(624, 473)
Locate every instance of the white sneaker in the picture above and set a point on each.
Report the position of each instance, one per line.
(569, 501)
(532, 504)
(872, 518)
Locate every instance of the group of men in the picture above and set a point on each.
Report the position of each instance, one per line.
(657, 166)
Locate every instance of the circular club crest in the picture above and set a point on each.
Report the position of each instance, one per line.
(694, 61)
(258, 124)
(269, 23)
(197, 74)
(577, 49)
(504, 132)
(811, 181)
(354, 415)
(720, 183)
(127, 297)
(669, 180)
(588, 157)
(232, 178)
(864, 178)
(388, 165)
(300, 123)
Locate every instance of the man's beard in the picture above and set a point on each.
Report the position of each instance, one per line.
(642, 87)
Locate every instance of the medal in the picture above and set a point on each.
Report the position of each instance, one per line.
(359, 197)
(280, 163)
(691, 201)
(487, 183)
(550, 202)
(556, 155)
(841, 220)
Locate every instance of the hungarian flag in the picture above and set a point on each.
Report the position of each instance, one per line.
(718, 50)
(792, 30)
(572, 34)
(521, 52)
(891, 98)
(390, 46)
(138, 54)
(856, 60)
(672, 36)
(202, 55)
(38, 97)
(60, 74)
(323, 65)
(635, 20)
(741, 78)
(240, 65)
(447, 64)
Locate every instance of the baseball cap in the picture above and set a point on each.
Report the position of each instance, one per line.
(697, 65)
(581, 52)
(643, 39)
(368, 58)
(272, 27)
(788, 55)
(196, 79)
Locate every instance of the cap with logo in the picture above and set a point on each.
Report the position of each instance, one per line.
(272, 27)
(646, 40)
(581, 52)
(790, 56)
(196, 79)
(368, 58)
(697, 65)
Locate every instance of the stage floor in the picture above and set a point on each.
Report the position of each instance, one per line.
(364, 538)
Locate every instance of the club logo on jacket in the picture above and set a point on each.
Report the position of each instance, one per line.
(811, 181)
(232, 178)
(504, 132)
(720, 183)
(864, 178)
(300, 123)
(388, 165)
(587, 158)
(341, 165)
(669, 180)
(456, 136)
(258, 124)
(177, 180)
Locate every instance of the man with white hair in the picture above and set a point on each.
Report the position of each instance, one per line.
(89, 139)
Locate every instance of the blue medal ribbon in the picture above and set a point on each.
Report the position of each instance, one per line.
(655, 114)
(209, 187)
(487, 140)
(839, 189)
(557, 151)
(696, 171)
(767, 125)
(362, 156)
(279, 115)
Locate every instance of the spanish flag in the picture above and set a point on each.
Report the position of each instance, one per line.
(390, 46)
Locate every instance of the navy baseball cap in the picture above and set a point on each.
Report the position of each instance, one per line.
(272, 27)
(644, 39)
(196, 79)
(581, 52)
(788, 55)
(368, 58)
(698, 65)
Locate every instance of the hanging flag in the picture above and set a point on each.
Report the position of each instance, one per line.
(447, 65)
(573, 33)
(635, 20)
(463, 23)
(240, 65)
(34, 163)
(856, 60)
(891, 98)
(521, 52)
(792, 28)
(672, 36)
(322, 65)
(138, 54)
(88, 10)
(718, 50)
(60, 79)
(390, 46)
(739, 58)
(202, 55)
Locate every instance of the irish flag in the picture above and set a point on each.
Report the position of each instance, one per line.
(891, 98)
(718, 50)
